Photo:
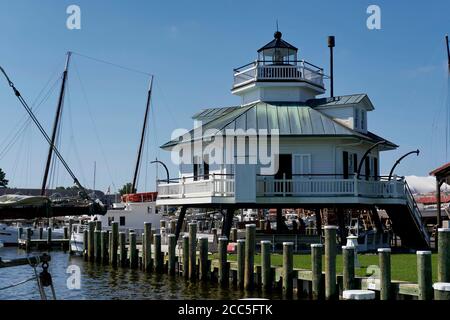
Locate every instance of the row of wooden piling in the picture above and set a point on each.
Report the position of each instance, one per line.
(111, 246)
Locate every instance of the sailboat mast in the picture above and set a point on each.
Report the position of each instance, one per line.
(448, 52)
(55, 124)
(144, 127)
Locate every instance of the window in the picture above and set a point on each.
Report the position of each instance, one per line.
(350, 164)
(356, 121)
(122, 221)
(149, 210)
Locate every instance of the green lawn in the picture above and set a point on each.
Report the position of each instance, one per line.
(403, 266)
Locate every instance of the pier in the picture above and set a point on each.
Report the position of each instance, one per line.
(193, 261)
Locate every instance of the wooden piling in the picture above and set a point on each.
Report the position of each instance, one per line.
(49, 236)
(203, 253)
(65, 233)
(316, 262)
(159, 263)
(330, 262)
(133, 251)
(172, 258)
(98, 245)
(147, 247)
(214, 232)
(70, 227)
(288, 267)
(192, 250)
(250, 237)
(186, 256)
(240, 263)
(233, 236)
(384, 256)
(29, 232)
(223, 270)
(20, 232)
(104, 248)
(444, 255)
(348, 274)
(91, 229)
(424, 275)
(98, 225)
(122, 249)
(266, 270)
(114, 243)
(85, 244)
(441, 291)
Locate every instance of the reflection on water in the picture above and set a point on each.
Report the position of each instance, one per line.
(104, 282)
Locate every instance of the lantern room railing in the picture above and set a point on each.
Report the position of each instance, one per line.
(260, 70)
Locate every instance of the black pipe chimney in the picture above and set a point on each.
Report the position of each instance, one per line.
(331, 46)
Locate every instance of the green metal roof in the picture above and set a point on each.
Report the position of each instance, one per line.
(340, 101)
(290, 119)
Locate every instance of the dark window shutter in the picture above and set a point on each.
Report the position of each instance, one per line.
(355, 163)
(367, 163)
(345, 164)
(195, 171)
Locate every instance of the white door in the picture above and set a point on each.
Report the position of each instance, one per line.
(301, 167)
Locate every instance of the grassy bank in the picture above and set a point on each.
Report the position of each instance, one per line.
(404, 266)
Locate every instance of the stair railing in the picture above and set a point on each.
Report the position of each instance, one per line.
(416, 212)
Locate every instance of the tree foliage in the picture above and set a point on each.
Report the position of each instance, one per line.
(126, 189)
(3, 180)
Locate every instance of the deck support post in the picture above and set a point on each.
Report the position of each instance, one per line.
(227, 223)
(180, 222)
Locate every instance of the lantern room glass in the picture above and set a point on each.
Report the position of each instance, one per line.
(278, 56)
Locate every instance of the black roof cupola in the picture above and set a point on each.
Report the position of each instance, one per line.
(278, 51)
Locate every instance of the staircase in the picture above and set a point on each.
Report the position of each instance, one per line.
(407, 222)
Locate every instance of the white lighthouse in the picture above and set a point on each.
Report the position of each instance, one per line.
(326, 155)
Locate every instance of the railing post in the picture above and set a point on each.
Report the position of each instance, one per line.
(213, 189)
(284, 184)
(355, 185)
(182, 186)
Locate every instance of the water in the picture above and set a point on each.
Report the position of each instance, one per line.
(100, 282)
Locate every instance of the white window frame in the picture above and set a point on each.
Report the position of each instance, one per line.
(301, 162)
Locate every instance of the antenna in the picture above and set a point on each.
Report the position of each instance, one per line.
(448, 52)
(331, 45)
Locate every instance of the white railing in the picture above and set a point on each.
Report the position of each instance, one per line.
(267, 186)
(259, 71)
(299, 187)
(213, 186)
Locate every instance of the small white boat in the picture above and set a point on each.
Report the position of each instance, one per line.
(8, 235)
(77, 238)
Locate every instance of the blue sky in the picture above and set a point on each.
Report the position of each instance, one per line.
(191, 48)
